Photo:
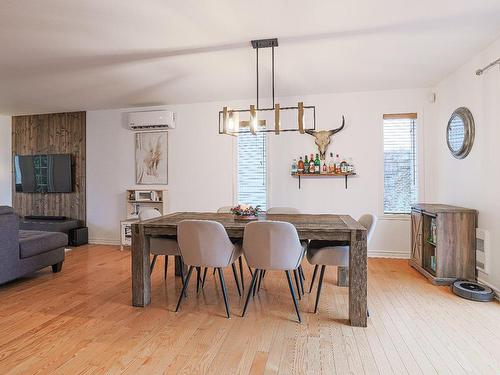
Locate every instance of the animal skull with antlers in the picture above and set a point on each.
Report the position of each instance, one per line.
(322, 138)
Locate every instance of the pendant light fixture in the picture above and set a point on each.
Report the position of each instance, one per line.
(229, 119)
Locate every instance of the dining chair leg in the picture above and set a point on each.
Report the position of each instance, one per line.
(296, 277)
(295, 304)
(198, 279)
(184, 287)
(320, 284)
(224, 291)
(250, 289)
(301, 270)
(240, 261)
(249, 269)
(181, 270)
(257, 272)
(313, 278)
(213, 273)
(235, 274)
(204, 277)
(261, 276)
(301, 280)
(153, 264)
(166, 266)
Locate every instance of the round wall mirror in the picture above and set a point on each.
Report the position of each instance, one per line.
(460, 132)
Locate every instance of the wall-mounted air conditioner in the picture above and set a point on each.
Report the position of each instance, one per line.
(151, 120)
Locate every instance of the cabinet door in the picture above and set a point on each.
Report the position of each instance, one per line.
(416, 237)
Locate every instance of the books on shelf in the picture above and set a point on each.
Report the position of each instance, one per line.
(433, 231)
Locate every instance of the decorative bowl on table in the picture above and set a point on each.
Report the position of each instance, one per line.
(245, 212)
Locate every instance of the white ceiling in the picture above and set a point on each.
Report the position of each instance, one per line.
(59, 55)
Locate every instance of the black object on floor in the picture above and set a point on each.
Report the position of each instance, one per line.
(44, 217)
(473, 291)
(79, 236)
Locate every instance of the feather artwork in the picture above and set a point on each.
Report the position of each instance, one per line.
(151, 158)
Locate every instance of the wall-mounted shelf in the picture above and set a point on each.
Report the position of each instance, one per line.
(148, 198)
(158, 200)
(326, 175)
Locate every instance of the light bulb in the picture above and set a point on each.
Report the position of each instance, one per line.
(230, 123)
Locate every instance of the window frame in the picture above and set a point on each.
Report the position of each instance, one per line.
(420, 162)
(235, 169)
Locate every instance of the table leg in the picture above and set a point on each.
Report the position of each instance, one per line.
(358, 275)
(141, 280)
(342, 276)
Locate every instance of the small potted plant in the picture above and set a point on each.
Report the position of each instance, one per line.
(245, 212)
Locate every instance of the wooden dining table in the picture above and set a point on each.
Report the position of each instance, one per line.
(309, 227)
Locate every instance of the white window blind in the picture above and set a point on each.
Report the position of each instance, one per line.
(400, 163)
(252, 169)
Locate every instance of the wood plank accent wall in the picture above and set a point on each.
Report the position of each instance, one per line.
(56, 133)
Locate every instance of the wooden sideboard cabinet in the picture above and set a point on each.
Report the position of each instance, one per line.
(443, 240)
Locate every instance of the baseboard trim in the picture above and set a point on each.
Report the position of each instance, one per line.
(371, 254)
(495, 289)
(103, 241)
(389, 254)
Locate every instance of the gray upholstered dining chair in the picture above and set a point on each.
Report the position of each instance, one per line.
(205, 243)
(272, 245)
(227, 210)
(160, 245)
(224, 210)
(282, 211)
(322, 253)
(289, 211)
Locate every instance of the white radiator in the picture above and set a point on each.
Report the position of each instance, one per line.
(483, 250)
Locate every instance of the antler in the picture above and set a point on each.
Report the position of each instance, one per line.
(330, 132)
(333, 131)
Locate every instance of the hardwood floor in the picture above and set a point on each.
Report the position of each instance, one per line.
(80, 321)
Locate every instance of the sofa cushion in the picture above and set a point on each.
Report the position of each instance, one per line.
(33, 242)
(48, 225)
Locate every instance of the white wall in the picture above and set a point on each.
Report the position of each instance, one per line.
(5, 161)
(474, 181)
(201, 163)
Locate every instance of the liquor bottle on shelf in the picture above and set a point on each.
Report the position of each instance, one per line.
(306, 165)
(294, 166)
(300, 165)
(311, 164)
(324, 168)
(343, 166)
(317, 165)
(350, 168)
(337, 164)
(331, 164)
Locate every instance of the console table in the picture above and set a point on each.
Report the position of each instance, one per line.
(443, 240)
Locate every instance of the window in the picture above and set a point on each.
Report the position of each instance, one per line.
(400, 163)
(252, 169)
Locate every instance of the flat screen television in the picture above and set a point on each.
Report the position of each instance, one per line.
(44, 173)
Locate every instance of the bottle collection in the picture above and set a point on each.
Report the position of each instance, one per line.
(313, 165)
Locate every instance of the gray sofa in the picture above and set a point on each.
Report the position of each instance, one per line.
(25, 251)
